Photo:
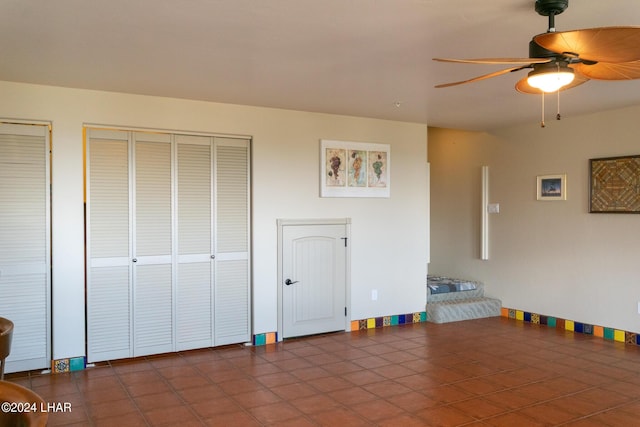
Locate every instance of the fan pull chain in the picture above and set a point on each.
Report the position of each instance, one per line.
(542, 121)
(558, 117)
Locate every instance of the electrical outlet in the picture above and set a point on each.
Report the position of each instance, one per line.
(374, 295)
(493, 208)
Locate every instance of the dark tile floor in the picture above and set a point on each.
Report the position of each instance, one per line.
(488, 372)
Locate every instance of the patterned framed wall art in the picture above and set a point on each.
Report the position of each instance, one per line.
(614, 185)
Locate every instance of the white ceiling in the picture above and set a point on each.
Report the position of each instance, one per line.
(352, 57)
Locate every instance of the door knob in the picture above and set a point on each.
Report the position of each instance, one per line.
(288, 282)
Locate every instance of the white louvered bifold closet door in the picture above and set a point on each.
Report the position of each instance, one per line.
(232, 293)
(109, 291)
(152, 245)
(194, 299)
(25, 280)
(168, 242)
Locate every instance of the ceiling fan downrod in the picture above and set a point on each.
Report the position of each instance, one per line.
(551, 8)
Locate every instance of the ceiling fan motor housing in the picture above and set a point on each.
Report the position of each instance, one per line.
(551, 7)
(537, 51)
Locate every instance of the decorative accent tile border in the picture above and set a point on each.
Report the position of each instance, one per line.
(266, 338)
(68, 365)
(356, 325)
(384, 321)
(609, 334)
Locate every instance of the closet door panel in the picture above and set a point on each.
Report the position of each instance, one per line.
(109, 291)
(194, 321)
(24, 243)
(152, 245)
(232, 299)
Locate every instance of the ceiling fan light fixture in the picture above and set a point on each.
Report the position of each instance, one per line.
(550, 78)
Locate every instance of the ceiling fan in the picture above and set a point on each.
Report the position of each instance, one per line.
(564, 60)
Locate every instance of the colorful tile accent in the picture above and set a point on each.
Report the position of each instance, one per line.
(60, 365)
(272, 337)
(609, 334)
(77, 364)
(260, 339)
(630, 338)
(569, 325)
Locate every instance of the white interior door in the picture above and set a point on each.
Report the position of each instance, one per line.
(314, 273)
(24, 243)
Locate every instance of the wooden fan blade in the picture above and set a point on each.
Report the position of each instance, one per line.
(483, 77)
(608, 71)
(504, 61)
(523, 86)
(606, 44)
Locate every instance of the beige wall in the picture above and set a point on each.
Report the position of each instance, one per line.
(552, 258)
(389, 250)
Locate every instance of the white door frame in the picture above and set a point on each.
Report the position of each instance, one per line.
(280, 280)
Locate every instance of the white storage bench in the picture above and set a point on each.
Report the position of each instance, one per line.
(451, 300)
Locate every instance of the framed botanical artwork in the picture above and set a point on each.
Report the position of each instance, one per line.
(552, 187)
(354, 169)
(614, 185)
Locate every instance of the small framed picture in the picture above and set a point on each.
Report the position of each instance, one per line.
(552, 187)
